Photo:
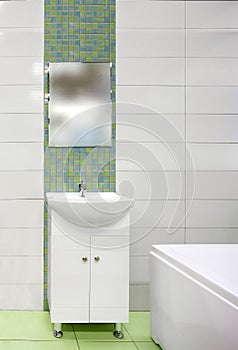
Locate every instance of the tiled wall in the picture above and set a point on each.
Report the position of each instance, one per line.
(21, 154)
(79, 31)
(177, 62)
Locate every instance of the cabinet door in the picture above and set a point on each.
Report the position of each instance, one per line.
(109, 286)
(70, 276)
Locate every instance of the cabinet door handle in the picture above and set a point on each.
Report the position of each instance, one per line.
(97, 258)
(84, 259)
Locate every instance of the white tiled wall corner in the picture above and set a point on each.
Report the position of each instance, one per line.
(21, 153)
(192, 74)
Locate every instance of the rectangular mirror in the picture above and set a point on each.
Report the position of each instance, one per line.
(80, 106)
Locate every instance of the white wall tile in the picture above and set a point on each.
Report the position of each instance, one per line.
(213, 185)
(212, 100)
(219, 157)
(150, 214)
(21, 213)
(150, 14)
(150, 43)
(21, 156)
(212, 128)
(150, 99)
(139, 297)
(21, 269)
(212, 71)
(26, 241)
(21, 99)
(150, 128)
(21, 127)
(151, 185)
(213, 213)
(21, 14)
(211, 14)
(21, 184)
(141, 241)
(150, 71)
(150, 156)
(21, 70)
(139, 269)
(21, 42)
(206, 236)
(21, 296)
(212, 43)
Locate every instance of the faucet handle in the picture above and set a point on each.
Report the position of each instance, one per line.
(82, 186)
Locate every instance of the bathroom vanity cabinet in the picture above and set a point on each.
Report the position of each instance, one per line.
(88, 272)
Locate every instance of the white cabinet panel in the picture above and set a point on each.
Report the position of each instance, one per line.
(212, 71)
(69, 282)
(21, 70)
(212, 43)
(26, 241)
(21, 128)
(141, 241)
(149, 214)
(139, 269)
(212, 100)
(151, 185)
(109, 292)
(21, 99)
(213, 157)
(211, 14)
(150, 71)
(150, 156)
(21, 42)
(21, 296)
(21, 184)
(21, 213)
(150, 14)
(21, 14)
(212, 128)
(213, 213)
(150, 128)
(207, 236)
(24, 156)
(150, 99)
(213, 185)
(19, 270)
(150, 43)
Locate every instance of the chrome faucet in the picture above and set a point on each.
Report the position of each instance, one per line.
(82, 188)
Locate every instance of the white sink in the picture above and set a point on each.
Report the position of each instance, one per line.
(96, 209)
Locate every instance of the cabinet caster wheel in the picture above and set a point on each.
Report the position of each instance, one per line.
(58, 334)
(118, 335)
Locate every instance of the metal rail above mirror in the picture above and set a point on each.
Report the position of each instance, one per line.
(80, 104)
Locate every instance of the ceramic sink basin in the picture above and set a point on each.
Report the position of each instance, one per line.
(94, 210)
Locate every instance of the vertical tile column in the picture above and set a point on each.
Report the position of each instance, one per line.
(150, 128)
(212, 120)
(21, 154)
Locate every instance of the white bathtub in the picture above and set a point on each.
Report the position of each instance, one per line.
(194, 296)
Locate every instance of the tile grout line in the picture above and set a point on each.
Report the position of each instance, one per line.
(77, 342)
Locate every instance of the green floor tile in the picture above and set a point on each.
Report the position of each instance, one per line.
(39, 345)
(98, 332)
(30, 325)
(139, 326)
(107, 346)
(147, 346)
